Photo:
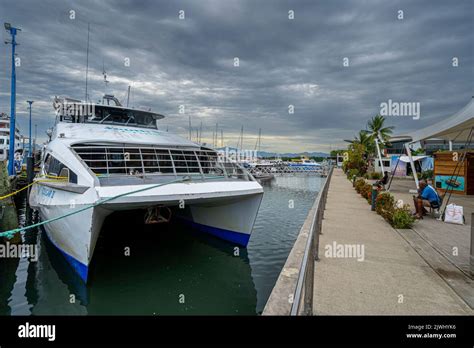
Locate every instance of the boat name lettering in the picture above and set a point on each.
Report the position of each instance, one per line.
(131, 130)
(47, 192)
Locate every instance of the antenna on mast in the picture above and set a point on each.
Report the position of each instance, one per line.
(105, 76)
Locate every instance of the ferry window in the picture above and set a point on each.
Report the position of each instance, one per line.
(2, 141)
(122, 116)
(53, 167)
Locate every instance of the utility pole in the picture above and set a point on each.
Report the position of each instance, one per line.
(11, 152)
(215, 141)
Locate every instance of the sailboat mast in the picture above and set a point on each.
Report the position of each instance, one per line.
(189, 127)
(128, 95)
(200, 133)
(241, 138)
(87, 59)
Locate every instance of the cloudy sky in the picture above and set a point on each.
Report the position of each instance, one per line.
(282, 62)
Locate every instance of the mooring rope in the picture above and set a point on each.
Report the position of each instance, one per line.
(29, 185)
(9, 234)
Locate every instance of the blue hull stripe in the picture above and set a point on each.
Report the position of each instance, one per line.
(81, 269)
(230, 236)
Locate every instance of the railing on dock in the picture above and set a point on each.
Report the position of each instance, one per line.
(293, 292)
(288, 169)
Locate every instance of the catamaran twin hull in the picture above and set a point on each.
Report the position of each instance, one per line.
(226, 209)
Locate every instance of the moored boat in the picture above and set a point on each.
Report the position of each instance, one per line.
(109, 158)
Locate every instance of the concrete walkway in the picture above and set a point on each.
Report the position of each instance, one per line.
(392, 278)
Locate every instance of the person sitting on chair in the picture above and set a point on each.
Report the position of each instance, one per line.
(382, 182)
(427, 197)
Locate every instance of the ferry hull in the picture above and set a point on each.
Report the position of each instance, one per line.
(230, 218)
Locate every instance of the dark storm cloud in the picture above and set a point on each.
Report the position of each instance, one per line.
(190, 62)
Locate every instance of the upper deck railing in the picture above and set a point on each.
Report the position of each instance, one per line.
(152, 161)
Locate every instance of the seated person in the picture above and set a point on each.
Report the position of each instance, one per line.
(427, 197)
(382, 182)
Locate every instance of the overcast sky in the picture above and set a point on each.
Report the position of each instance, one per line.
(283, 62)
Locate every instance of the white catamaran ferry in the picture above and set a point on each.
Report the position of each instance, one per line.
(103, 158)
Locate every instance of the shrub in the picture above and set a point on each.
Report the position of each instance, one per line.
(366, 192)
(427, 175)
(385, 206)
(359, 184)
(376, 176)
(402, 217)
(352, 172)
(356, 158)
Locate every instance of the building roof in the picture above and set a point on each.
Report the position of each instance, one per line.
(455, 127)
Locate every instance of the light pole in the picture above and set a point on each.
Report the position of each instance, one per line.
(11, 152)
(29, 148)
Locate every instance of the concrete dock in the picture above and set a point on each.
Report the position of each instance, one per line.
(394, 277)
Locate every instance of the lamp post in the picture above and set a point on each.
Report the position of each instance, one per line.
(29, 147)
(11, 153)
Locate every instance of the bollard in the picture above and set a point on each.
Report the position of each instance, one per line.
(472, 246)
(374, 197)
(353, 180)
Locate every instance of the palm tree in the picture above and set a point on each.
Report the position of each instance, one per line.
(364, 138)
(376, 128)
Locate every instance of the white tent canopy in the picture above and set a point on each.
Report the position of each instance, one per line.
(456, 127)
(406, 159)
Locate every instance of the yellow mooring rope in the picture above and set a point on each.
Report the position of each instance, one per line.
(59, 178)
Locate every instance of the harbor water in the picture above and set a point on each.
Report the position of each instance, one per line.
(162, 269)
